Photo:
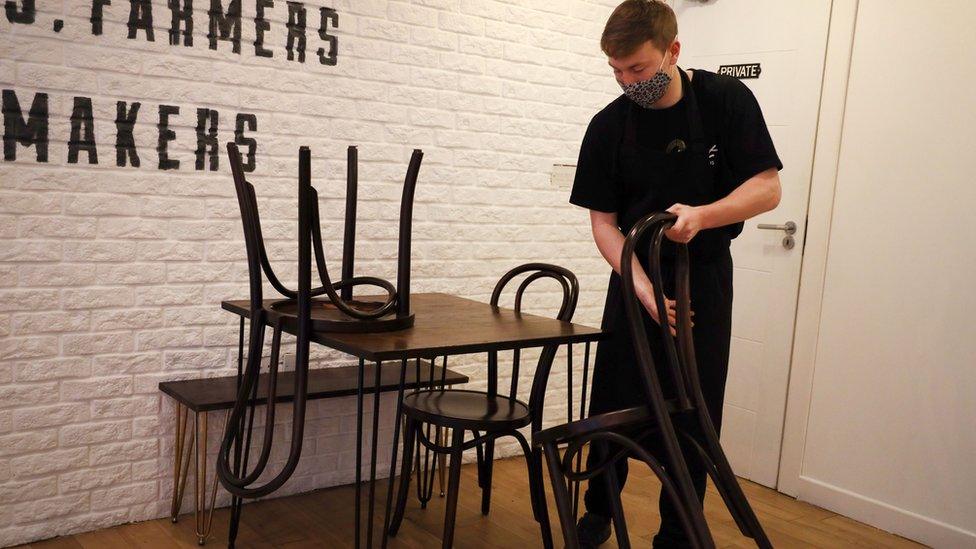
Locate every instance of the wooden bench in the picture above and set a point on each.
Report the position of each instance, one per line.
(202, 396)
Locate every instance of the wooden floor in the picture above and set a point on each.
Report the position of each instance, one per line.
(324, 519)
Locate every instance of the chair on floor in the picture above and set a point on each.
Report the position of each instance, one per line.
(617, 435)
(487, 415)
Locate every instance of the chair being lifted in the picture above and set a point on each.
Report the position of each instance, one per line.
(301, 314)
(617, 435)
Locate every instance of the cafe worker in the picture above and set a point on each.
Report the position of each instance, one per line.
(693, 143)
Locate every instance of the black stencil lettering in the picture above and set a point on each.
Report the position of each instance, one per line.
(251, 121)
(296, 31)
(125, 143)
(32, 132)
(25, 15)
(184, 15)
(225, 26)
(329, 15)
(140, 17)
(96, 15)
(260, 26)
(207, 138)
(165, 136)
(82, 131)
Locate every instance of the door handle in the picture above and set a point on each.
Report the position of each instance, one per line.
(789, 227)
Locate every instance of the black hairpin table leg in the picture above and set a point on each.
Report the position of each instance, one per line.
(582, 415)
(359, 453)
(372, 456)
(393, 459)
(236, 503)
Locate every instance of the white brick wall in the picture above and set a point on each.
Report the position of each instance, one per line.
(110, 277)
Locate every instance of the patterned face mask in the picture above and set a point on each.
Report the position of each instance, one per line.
(647, 92)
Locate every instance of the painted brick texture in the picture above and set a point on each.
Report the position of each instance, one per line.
(111, 276)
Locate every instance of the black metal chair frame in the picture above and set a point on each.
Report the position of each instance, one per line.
(619, 435)
(232, 471)
(485, 432)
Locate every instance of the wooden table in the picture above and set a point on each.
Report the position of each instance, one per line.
(444, 325)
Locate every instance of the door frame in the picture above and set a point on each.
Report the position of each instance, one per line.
(826, 156)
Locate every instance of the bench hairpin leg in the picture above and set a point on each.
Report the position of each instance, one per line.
(180, 464)
(204, 516)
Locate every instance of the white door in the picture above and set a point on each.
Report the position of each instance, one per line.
(787, 40)
(889, 403)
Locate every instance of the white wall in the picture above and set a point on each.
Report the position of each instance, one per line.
(110, 277)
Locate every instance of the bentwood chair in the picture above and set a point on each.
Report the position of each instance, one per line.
(294, 311)
(617, 435)
(487, 415)
(232, 473)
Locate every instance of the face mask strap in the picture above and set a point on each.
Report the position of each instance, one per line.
(666, 52)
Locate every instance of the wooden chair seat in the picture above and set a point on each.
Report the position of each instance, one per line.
(469, 410)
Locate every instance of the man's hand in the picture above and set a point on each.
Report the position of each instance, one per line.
(646, 296)
(688, 224)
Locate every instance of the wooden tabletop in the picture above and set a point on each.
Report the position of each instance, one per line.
(450, 325)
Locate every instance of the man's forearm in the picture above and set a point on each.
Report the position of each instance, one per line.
(610, 241)
(756, 195)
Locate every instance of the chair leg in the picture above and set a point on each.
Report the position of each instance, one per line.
(441, 461)
(689, 514)
(236, 508)
(730, 490)
(677, 470)
(479, 452)
(488, 468)
(453, 487)
(537, 494)
(563, 504)
(616, 508)
(406, 466)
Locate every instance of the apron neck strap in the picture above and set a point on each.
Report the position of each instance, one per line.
(696, 132)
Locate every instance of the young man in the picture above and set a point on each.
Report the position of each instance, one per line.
(693, 143)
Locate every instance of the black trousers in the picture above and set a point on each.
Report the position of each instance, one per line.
(617, 382)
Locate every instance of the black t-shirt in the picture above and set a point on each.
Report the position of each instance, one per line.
(736, 138)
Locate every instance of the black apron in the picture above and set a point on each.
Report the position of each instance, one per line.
(654, 180)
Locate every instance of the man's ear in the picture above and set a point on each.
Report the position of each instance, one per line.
(675, 51)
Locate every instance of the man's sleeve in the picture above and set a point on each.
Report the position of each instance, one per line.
(749, 149)
(595, 186)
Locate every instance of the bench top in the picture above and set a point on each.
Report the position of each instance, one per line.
(219, 393)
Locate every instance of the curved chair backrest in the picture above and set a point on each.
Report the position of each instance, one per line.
(680, 358)
(570, 295)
